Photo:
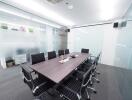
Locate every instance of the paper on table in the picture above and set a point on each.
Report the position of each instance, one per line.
(65, 60)
(76, 55)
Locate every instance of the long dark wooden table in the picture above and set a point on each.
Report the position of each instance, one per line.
(56, 71)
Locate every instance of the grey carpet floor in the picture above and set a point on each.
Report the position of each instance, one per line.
(1, 67)
(116, 84)
(12, 86)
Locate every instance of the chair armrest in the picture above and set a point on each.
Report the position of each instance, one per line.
(92, 57)
(26, 79)
(88, 64)
(86, 84)
(37, 87)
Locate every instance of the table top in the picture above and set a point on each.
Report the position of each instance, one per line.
(56, 71)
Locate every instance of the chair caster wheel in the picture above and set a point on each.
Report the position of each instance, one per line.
(88, 99)
(91, 84)
(95, 92)
(98, 81)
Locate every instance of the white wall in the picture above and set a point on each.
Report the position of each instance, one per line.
(114, 43)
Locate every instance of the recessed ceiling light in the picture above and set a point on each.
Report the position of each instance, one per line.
(46, 12)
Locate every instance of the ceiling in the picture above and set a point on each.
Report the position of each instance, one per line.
(129, 13)
(83, 12)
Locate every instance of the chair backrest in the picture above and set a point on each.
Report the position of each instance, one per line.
(51, 55)
(66, 51)
(60, 52)
(84, 50)
(27, 76)
(86, 78)
(97, 59)
(37, 58)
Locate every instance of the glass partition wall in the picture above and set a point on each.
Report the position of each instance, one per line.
(123, 50)
(20, 36)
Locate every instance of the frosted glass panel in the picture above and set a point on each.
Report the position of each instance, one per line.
(123, 55)
(88, 37)
(33, 38)
(56, 40)
(60, 39)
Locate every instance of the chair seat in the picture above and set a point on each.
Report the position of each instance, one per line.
(44, 86)
(38, 81)
(73, 85)
(67, 94)
(84, 67)
(90, 61)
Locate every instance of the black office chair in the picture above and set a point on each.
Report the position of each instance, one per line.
(37, 58)
(51, 55)
(37, 85)
(60, 52)
(67, 51)
(97, 59)
(95, 72)
(93, 61)
(74, 88)
(84, 50)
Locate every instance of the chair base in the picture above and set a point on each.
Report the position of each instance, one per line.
(92, 89)
(97, 80)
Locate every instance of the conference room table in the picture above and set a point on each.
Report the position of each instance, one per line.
(56, 71)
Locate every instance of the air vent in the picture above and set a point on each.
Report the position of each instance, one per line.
(120, 24)
(54, 1)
